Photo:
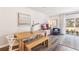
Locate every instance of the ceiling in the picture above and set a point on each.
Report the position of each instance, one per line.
(50, 11)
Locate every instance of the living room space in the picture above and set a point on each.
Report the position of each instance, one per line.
(39, 28)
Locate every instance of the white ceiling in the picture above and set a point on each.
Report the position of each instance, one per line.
(50, 11)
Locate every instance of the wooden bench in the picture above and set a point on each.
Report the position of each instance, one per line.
(36, 42)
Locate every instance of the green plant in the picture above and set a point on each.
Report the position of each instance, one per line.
(67, 31)
(72, 31)
(77, 33)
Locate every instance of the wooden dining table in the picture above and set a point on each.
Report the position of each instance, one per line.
(23, 35)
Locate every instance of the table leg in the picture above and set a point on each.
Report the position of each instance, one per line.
(28, 49)
(21, 45)
(46, 42)
(43, 43)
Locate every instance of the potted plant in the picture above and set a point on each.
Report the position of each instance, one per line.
(67, 31)
(77, 33)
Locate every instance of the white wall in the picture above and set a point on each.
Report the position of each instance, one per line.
(72, 16)
(60, 22)
(8, 21)
(57, 20)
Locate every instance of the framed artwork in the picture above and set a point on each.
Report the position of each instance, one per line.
(24, 19)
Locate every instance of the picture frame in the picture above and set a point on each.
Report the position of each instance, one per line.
(24, 19)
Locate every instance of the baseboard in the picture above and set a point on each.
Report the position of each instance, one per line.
(3, 45)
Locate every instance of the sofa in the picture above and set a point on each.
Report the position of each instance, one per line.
(55, 31)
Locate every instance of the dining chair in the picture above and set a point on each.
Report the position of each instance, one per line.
(12, 42)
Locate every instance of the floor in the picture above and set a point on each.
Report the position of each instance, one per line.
(4, 48)
(70, 41)
(57, 43)
(62, 43)
(64, 48)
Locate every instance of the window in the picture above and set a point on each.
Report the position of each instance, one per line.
(72, 26)
(70, 22)
(77, 22)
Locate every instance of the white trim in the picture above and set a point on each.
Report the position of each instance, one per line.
(3, 45)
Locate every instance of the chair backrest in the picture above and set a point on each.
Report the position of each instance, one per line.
(10, 38)
(11, 41)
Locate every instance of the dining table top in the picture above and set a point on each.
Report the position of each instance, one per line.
(22, 35)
